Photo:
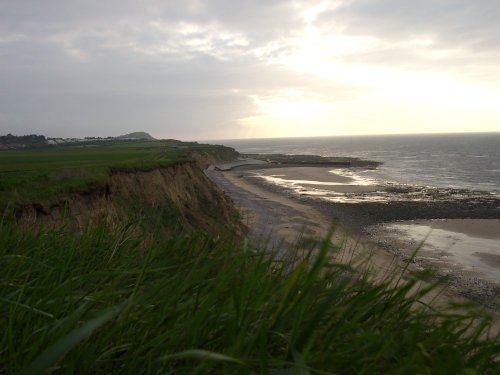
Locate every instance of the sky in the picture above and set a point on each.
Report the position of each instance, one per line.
(222, 69)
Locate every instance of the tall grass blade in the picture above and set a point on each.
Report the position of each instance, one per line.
(203, 355)
(29, 308)
(50, 356)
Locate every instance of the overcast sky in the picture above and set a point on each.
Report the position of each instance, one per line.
(218, 69)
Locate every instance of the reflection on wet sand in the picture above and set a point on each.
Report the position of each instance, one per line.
(353, 185)
(467, 245)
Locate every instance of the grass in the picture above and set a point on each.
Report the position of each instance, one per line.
(108, 301)
(34, 175)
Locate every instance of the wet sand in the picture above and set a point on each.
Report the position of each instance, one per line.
(480, 228)
(324, 178)
(466, 252)
(308, 175)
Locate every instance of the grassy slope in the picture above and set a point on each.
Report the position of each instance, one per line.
(111, 302)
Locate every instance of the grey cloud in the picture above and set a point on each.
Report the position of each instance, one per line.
(93, 67)
(96, 69)
(465, 34)
(461, 22)
(107, 114)
(116, 91)
(258, 18)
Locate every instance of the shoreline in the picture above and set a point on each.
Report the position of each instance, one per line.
(278, 221)
(361, 202)
(356, 219)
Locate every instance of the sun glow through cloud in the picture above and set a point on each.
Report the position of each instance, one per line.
(393, 100)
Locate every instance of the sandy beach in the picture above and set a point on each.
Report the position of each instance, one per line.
(279, 205)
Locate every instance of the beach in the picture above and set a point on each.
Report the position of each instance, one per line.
(277, 221)
(382, 221)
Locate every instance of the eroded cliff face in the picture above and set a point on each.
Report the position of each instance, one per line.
(172, 199)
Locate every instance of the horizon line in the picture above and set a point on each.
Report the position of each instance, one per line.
(354, 135)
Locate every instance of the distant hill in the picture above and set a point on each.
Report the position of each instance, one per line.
(135, 135)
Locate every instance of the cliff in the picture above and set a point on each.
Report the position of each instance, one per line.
(172, 199)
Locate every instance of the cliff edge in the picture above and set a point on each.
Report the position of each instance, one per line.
(172, 199)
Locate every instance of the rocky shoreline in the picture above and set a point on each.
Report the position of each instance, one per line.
(312, 160)
(400, 203)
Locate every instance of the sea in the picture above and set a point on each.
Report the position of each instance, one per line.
(462, 161)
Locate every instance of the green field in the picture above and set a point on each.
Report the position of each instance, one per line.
(33, 175)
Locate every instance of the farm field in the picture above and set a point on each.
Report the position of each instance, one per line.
(39, 174)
